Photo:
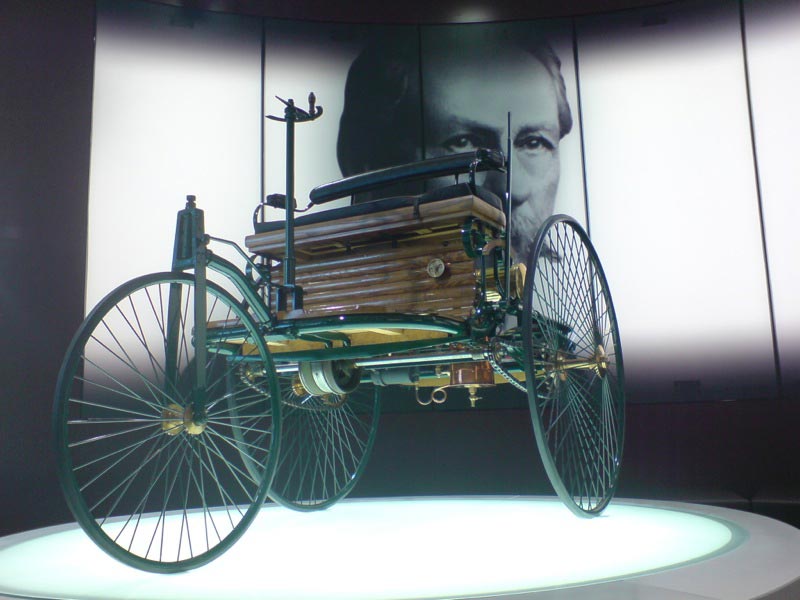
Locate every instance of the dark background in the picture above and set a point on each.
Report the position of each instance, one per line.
(743, 454)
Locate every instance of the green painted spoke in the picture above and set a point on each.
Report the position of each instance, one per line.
(240, 444)
(235, 409)
(243, 428)
(587, 433)
(108, 469)
(112, 420)
(160, 323)
(246, 392)
(134, 446)
(224, 496)
(199, 483)
(124, 485)
(563, 411)
(140, 508)
(128, 361)
(183, 327)
(139, 333)
(184, 513)
(107, 436)
(126, 411)
(131, 394)
(237, 472)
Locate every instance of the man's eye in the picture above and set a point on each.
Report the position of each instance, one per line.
(533, 143)
(461, 143)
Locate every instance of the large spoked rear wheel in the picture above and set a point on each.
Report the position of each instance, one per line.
(573, 367)
(152, 483)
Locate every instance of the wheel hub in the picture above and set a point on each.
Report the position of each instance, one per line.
(300, 397)
(337, 377)
(597, 362)
(177, 419)
(601, 361)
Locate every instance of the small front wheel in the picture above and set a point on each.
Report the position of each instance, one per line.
(153, 483)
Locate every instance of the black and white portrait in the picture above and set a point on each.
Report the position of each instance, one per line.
(451, 91)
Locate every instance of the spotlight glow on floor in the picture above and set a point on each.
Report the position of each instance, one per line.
(385, 550)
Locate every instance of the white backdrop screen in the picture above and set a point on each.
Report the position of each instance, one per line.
(177, 111)
(673, 203)
(672, 167)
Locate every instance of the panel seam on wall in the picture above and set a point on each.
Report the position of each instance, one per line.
(85, 288)
(580, 126)
(261, 116)
(757, 175)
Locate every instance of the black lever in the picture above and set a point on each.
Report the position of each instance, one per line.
(298, 115)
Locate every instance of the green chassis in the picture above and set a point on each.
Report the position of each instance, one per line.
(574, 389)
(191, 252)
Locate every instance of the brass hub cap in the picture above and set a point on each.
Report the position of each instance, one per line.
(298, 388)
(601, 358)
(178, 419)
(598, 363)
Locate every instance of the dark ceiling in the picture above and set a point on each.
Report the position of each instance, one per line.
(412, 11)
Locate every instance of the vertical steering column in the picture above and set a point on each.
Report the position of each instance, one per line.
(291, 115)
(190, 252)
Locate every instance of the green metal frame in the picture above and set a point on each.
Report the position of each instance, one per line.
(191, 252)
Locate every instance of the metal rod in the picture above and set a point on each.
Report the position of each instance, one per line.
(289, 259)
(507, 253)
(397, 361)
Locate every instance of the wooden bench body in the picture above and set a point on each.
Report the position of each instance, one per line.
(378, 263)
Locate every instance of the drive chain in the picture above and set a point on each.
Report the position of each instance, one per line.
(492, 357)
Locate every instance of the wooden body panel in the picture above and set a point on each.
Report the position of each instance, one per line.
(378, 262)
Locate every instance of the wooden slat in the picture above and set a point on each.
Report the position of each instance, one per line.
(392, 222)
(463, 291)
(368, 278)
(385, 250)
(414, 264)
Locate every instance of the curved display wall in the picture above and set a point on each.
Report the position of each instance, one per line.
(667, 131)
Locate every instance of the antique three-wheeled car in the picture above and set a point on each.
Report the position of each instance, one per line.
(188, 397)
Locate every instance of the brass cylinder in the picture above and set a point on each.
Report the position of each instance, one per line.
(479, 373)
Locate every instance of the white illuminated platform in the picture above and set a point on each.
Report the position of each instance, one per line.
(392, 549)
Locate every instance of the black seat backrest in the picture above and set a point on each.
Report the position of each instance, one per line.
(481, 159)
(384, 204)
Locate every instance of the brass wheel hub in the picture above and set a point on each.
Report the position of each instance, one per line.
(327, 400)
(298, 389)
(601, 357)
(177, 419)
(598, 363)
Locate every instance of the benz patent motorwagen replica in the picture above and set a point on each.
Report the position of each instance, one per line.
(188, 397)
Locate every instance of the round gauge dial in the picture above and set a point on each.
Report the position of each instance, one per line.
(436, 268)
